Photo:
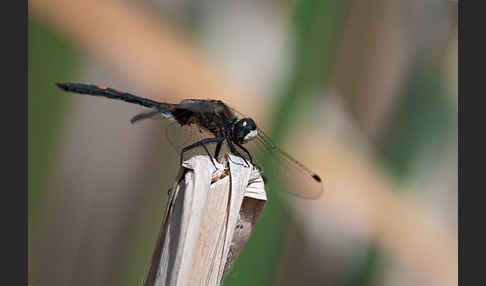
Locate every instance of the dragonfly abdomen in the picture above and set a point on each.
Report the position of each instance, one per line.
(98, 90)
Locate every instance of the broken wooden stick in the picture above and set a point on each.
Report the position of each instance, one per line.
(209, 218)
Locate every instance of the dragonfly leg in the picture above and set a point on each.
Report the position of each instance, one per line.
(201, 143)
(218, 146)
(233, 150)
(246, 151)
(218, 149)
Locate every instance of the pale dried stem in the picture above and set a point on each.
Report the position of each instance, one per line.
(206, 224)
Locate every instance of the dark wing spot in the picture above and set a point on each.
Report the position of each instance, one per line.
(317, 178)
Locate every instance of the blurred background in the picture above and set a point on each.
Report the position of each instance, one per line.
(363, 92)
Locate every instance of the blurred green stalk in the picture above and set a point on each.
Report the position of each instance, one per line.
(316, 26)
(50, 59)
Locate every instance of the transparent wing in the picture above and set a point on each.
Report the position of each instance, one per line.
(298, 180)
(182, 136)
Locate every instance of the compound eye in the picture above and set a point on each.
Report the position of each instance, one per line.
(248, 124)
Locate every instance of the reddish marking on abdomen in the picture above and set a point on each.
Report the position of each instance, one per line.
(101, 87)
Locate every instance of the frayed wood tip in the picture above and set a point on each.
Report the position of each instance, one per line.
(209, 218)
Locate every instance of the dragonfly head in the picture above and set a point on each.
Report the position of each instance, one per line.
(244, 130)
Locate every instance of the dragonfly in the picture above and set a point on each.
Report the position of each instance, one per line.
(211, 124)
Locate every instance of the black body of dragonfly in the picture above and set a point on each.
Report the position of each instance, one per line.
(224, 126)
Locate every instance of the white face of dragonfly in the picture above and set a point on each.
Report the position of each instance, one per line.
(251, 135)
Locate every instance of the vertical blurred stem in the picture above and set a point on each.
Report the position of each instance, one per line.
(49, 60)
(316, 29)
(424, 117)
